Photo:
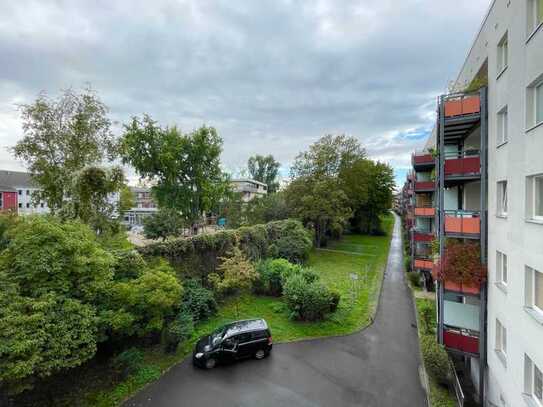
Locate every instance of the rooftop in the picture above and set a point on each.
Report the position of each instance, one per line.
(16, 179)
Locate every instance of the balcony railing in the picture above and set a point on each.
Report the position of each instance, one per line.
(424, 186)
(461, 340)
(423, 235)
(462, 105)
(467, 163)
(423, 264)
(422, 159)
(463, 223)
(424, 211)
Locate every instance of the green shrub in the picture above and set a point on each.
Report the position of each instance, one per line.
(306, 301)
(407, 263)
(128, 264)
(414, 278)
(427, 317)
(295, 243)
(128, 362)
(436, 360)
(199, 301)
(335, 296)
(179, 330)
(272, 273)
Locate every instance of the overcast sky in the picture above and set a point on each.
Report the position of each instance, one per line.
(271, 76)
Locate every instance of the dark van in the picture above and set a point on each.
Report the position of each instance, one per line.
(238, 340)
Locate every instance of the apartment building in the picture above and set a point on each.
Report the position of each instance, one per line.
(489, 205)
(249, 188)
(20, 184)
(144, 206)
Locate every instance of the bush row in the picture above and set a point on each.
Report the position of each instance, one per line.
(200, 255)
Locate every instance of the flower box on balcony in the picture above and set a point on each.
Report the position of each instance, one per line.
(425, 211)
(462, 105)
(464, 343)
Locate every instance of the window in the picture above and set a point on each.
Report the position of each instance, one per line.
(535, 15)
(501, 268)
(502, 54)
(501, 338)
(27, 192)
(502, 198)
(533, 380)
(20, 191)
(534, 292)
(20, 205)
(502, 126)
(41, 205)
(534, 197)
(27, 205)
(538, 103)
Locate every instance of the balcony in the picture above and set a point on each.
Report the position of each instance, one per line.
(425, 211)
(463, 224)
(423, 264)
(461, 105)
(424, 186)
(462, 288)
(422, 160)
(461, 340)
(463, 165)
(423, 236)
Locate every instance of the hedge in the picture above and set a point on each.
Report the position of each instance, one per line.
(199, 255)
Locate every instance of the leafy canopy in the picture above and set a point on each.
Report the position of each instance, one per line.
(264, 169)
(186, 167)
(164, 223)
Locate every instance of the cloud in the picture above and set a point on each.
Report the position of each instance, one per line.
(272, 76)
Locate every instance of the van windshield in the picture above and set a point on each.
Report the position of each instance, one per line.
(217, 335)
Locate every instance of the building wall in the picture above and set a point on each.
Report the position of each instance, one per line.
(25, 204)
(521, 156)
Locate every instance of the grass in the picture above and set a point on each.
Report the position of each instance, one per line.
(365, 256)
(440, 396)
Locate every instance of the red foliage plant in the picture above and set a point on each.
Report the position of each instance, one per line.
(461, 263)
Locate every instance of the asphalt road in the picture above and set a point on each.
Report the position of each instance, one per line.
(378, 366)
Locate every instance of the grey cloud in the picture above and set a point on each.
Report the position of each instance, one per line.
(272, 76)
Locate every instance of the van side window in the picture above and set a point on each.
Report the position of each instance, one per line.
(259, 335)
(242, 338)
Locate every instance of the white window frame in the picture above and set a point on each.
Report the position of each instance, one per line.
(537, 87)
(533, 17)
(501, 267)
(534, 305)
(535, 197)
(502, 201)
(530, 370)
(501, 338)
(530, 291)
(503, 54)
(503, 126)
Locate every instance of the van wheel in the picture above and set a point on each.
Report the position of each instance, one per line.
(210, 363)
(260, 354)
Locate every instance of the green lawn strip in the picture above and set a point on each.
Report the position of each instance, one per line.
(440, 396)
(335, 268)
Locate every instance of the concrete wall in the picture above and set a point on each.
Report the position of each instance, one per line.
(520, 240)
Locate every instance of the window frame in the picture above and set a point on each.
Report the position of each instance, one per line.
(534, 305)
(501, 265)
(537, 86)
(533, 17)
(501, 338)
(503, 126)
(503, 53)
(535, 195)
(502, 199)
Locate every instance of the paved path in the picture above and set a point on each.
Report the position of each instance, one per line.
(375, 367)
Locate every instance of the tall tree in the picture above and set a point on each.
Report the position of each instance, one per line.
(186, 167)
(327, 157)
(321, 204)
(61, 137)
(126, 199)
(264, 169)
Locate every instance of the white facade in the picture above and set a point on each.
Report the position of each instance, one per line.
(26, 206)
(249, 188)
(510, 42)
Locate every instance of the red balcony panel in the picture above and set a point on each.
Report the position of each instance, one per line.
(421, 159)
(462, 224)
(425, 211)
(463, 343)
(425, 185)
(462, 106)
(424, 264)
(9, 201)
(463, 166)
(423, 236)
(462, 288)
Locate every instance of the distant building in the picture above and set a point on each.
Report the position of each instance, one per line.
(144, 206)
(21, 185)
(249, 188)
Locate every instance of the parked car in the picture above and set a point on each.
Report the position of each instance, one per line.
(238, 340)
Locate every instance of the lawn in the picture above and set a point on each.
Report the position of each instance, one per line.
(363, 256)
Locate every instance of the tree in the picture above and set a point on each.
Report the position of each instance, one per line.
(186, 167)
(264, 169)
(319, 203)
(91, 201)
(327, 157)
(126, 199)
(61, 137)
(164, 223)
(235, 275)
(369, 186)
(266, 209)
